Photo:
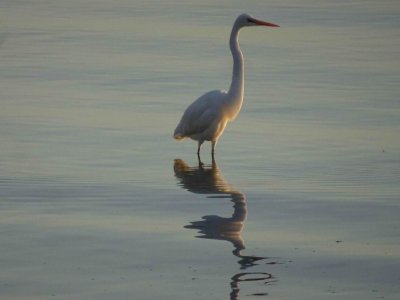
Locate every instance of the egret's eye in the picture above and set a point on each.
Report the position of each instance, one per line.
(250, 20)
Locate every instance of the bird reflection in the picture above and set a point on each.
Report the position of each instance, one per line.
(209, 180)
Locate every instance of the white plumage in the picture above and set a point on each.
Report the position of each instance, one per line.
(206, 118)
(203, 119)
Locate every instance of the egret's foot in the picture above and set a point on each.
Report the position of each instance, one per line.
(201, 164)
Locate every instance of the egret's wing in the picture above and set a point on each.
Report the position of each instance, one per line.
(199, 121)
(200, 114)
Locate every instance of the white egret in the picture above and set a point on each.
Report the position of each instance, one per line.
(205, 119)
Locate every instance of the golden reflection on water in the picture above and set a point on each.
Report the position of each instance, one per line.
(208, 180)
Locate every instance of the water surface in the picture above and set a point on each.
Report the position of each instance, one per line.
(97, 201)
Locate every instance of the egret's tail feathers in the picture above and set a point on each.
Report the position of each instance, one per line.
(179, 132)
(179, 136)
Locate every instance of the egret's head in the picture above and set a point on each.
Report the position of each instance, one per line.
(247, 20)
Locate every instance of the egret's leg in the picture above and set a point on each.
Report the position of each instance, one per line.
(201, 164)
(198, 148)
(198, 153)
(213, 143)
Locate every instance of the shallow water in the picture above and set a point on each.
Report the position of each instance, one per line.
(98, 202)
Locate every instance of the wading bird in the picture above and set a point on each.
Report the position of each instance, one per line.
(205, 119)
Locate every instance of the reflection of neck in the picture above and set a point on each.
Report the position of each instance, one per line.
(239, 207)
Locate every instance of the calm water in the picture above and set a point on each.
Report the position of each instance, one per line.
(97, 201)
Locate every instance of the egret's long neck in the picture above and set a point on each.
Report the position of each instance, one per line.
(236, 90)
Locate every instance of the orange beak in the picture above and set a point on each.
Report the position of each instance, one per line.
(262, 23)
